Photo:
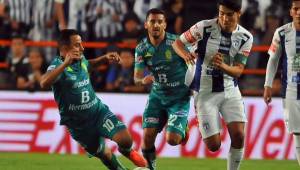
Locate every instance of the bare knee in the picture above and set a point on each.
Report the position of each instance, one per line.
(173, 139)
(213, 146)
(237, 139)
(213, 143)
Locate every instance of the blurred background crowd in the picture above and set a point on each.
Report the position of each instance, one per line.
(114, 21)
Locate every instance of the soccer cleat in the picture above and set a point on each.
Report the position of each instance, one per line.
(187, 136)
(137, 159)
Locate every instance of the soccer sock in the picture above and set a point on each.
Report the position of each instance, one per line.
(234, 159)
(125, 151)
(297, 144)
(113, 163)
(150, 156)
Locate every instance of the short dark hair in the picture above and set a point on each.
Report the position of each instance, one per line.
(155, 11)
(65, 37)
(235, 5)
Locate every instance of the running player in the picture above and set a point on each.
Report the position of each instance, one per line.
(222, 47)
(169, 99)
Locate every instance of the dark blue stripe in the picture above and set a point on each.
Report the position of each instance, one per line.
(297, 42)
(218, 75)
(201, 49)
(284, 64)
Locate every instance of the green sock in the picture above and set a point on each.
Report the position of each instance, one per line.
(150, 156)
(113, 164)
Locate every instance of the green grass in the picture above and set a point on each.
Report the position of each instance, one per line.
(23, 161)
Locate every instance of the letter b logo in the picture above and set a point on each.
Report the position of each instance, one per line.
(85, 97)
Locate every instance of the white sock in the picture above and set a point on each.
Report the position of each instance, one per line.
(297, 144)
(234, 159)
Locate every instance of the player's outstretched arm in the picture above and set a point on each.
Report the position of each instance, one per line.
(109, 57)
(179, 48)
(50, 77)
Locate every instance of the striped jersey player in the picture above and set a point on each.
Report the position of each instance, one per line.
(221, 48)
(286, 47)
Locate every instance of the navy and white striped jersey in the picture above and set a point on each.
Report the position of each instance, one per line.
(207, 40)
(19, 10)
(286, 46)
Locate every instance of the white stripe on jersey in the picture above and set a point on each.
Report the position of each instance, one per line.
(241, 43)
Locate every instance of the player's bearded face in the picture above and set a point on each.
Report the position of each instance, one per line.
(156, 25)
(228, 19)
(295, 12)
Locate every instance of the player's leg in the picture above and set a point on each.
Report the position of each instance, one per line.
(148, 147)
(207, 111)
(292, 119)
(178, 121)
(108, 158)
(115, 130)
(234, 115)
(94, 145)
(235, 155)
(154, 119)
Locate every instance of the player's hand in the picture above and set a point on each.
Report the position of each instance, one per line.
(71, 56)
(190, 58)
(217, 60)
(149, 79)
(113, 57)
(268, 95)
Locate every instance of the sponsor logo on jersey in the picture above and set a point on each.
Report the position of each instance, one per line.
(73, 107)
(81, 83)
(151, 120)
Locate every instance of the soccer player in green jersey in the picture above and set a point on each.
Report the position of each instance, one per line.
(88, 120)
(168, 102)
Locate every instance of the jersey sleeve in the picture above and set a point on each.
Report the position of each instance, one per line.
(274, 56)
(139, 63)
(194, 34)
(244, 51)
(85, 64)
(54, 64)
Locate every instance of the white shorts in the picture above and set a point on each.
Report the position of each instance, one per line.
(291, 111)
(211, 106)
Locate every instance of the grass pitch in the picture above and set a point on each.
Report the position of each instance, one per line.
(25, 161)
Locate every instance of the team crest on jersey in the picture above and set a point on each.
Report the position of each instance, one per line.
(168, 55)
(236, 43)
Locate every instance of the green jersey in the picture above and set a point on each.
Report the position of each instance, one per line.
(165, 65)
(73, 91)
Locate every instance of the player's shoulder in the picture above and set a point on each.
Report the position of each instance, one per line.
(170, 38)
(206, 23)
(142, 45)
(284, 29)
(56, 60)
(243, 33)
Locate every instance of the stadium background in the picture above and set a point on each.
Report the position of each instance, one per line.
(29, 119)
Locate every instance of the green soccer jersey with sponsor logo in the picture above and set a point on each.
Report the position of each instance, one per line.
(165, 65)
(73, 91)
